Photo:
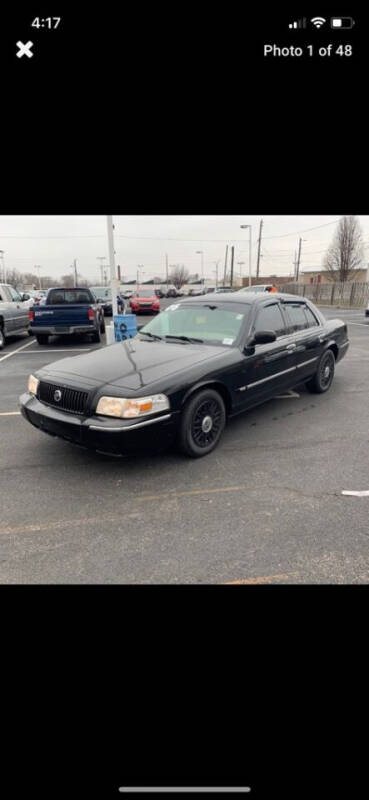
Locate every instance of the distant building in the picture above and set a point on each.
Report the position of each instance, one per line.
(325, 276)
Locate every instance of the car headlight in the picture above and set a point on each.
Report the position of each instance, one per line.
(33, 384)
(132, 407)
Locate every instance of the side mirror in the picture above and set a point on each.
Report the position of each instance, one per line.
(25, 297)
(264, 337)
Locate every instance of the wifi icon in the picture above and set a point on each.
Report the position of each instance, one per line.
(318, 21)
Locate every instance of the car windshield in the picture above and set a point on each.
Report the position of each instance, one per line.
(145, 293)
(211, 323)
(101, 292)
(61, 296)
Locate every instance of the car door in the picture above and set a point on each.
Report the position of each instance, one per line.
(7, 306)
(270, 368)
(19, 311)
(309, 336)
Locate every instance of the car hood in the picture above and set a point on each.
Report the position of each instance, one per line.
(132, 364)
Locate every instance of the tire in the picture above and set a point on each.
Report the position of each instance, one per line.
(2, 339)
(30, 333)
(96, 337)
(205, 407)
(323, 377)
(42, 338)
(102, 326)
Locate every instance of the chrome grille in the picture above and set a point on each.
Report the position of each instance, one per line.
(71, 399)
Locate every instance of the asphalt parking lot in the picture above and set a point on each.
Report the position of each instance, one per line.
(265, 507)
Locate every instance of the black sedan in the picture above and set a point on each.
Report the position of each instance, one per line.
(197, 363)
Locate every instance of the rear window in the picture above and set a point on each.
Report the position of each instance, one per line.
(59, 297)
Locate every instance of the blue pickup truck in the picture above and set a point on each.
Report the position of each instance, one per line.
(67, 311)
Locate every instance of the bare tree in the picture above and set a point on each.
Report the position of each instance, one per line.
(13, 277)
(178, 275)
(346, 253)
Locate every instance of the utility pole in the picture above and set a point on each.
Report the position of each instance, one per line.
(225, 265)
(75, 272)
(166, 268)
(232, 260)
(298, 260)
(113, 278)
(258, 261)
(294, 267)
(216, 273)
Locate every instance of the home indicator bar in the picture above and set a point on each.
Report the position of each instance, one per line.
(184, 789)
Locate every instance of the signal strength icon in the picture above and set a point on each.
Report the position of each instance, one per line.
(300, 23)
(318, 21)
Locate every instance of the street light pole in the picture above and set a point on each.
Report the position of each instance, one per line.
(240, 264)
(39, 279)
(299, 258)
(250, 227)
(201, 253)
(101, 259)
(113, 276)
(140, 267)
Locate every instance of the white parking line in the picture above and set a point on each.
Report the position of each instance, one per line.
(67, 350)
(16, 351)
(9, 413)
(365, 324)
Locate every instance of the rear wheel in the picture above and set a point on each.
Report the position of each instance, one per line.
(30, 333)
(96, 337)
(203, 422)
(42, 338)
(2, 338)
(323, 377)
(102, 326)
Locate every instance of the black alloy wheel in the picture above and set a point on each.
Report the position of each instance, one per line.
(323, 377)
(202, 424)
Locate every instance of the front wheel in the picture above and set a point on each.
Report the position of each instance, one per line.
(102, 326)
(2, 339)
(323, 377)
(203, 422)
(42, 338)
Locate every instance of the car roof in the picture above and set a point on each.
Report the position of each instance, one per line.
(248, 298)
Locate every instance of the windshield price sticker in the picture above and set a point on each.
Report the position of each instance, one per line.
(227, 341)
(172, 308)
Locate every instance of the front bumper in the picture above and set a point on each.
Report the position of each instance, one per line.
(60, 330)
(103, 434)
(145, 310)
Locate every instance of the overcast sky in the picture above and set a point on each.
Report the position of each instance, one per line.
(54, 241)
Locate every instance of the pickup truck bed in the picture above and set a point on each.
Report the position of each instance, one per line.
(64, 318)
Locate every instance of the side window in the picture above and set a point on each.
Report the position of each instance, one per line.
(14, 295)
(311, 318)
(297, 317)
(270, 318)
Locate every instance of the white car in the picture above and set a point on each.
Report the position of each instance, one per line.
(261, 287)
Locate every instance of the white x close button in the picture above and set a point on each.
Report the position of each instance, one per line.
(24, 49)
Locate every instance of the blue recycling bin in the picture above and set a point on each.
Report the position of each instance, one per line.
(125, 326)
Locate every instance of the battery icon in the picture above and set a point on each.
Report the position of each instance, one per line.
(342, 22)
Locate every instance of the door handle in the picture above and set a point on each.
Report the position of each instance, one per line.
(291, 346)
